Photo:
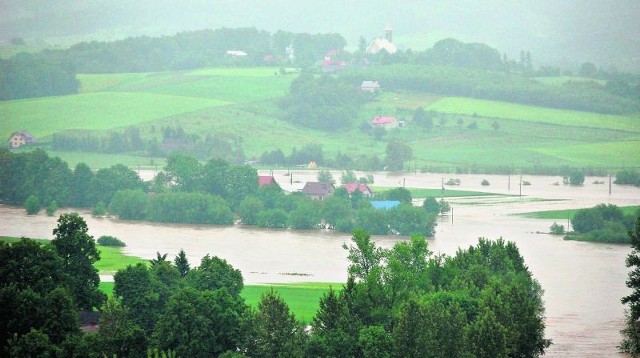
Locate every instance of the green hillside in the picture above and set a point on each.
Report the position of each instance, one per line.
(232, 102)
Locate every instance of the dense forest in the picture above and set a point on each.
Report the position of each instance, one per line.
(399, 302)
(27, 75)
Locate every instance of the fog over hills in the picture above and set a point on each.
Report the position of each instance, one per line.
(567, 33)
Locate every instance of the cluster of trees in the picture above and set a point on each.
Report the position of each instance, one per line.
(314, 153)
(494, 85)
(398, 302)
(602, 223)
(630, 177)
(49, 179)
(631, 333)
(43, 286)
(174, 139)
(324, 103)
(28, 75)
(197, 49)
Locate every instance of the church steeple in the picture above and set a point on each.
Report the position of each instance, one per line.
(388, 32)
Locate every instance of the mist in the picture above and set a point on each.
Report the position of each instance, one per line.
(564, 33)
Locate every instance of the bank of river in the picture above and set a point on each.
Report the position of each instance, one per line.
(583, 282)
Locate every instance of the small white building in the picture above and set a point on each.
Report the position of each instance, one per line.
(370, 86)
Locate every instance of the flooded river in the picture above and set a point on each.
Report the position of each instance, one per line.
(583, 282)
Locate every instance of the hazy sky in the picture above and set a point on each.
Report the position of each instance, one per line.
(602, 31)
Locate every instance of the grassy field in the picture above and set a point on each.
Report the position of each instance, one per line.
(569, 213)
(112, 259)
(436, 193)
(225, 102)
(560, 80)
(303, 299)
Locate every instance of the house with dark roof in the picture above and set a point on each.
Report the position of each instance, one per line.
(20, 138)
(363, 188)
(317, 190)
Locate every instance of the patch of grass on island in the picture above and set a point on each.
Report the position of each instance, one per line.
(437, 193)
(113, 259)
(107, 288)
(570, 213)
(303, 299)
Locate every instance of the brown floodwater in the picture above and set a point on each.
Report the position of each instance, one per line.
(583, 282)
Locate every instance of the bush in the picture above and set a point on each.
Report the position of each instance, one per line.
(51, 209)
(557, 229)
(32, 205)
(99, 209)
(452, 181)
(576, 178)
(110, 241)
(484, 182)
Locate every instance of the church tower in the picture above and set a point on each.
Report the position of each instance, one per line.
(388, 32)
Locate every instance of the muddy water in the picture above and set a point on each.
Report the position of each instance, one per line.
(583, 282)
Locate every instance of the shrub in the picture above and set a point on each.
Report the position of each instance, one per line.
(557, 229)
(51, 209)
(452, 181)
(99, 209)
(32, 205)
(576, 178)
(484, 182)
(110, 241)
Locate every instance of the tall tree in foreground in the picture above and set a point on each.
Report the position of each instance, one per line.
(631, 332)
(78, 252)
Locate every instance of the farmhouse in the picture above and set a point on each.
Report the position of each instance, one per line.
(318, 191)
(20, 138)
(385, 122)
(266, 180)
(370, 86)
(363, 188)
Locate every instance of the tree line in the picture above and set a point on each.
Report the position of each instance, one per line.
(602, 223)
(36, 75)
(399, 302)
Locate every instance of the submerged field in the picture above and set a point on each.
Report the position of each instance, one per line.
(232, 102)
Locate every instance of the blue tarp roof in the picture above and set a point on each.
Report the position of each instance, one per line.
(385, 204)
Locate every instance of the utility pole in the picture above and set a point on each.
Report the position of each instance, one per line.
(442, 198)
(521, 185)
(403, 181)
(609, 183)
(509, 181)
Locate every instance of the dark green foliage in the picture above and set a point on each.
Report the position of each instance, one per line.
(107, 181)
(306, 215)
(557, 229)
(576, 178)
(275, 331)
(196, 208)
(34, 295)
(199, 323)
(324, 176)
(397, 153)
(33, 344)
(400, 194)
(480, 82)
(79, 253)
(431, 205)
(107, 240)
(249, 209)
(273, 218)
(323, 103)
(118, 336)
(142, 294)
(215, 273)
(32, 205)
(27, 75)
(486, 337)
(374, 341)
(631, 333)
(99, 210)
(129, 204)
(80, 185)
(181, 263)
(52, 208)
(485, 182)
(602, 223)
(628, 176)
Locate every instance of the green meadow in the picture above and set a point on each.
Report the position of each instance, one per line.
(231, 102)
(569, 213)
(113, 259)
(436, 193)
(303, 299)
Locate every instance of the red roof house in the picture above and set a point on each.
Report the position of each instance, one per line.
(363, 188)
(266, 180)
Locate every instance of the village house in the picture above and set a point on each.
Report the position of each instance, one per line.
(363, 188)
(20, 138)
(385, 122)
(370, 86)
(317, 190)
(236, 53)
(266, 180)
(331, 63)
